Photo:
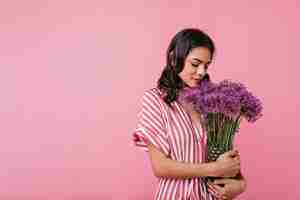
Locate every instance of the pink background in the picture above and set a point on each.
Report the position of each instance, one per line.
(72, 74)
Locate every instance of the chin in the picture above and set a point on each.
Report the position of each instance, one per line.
(196, 84)
(192, 85)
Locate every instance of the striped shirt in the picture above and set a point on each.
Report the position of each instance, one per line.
(172, 131)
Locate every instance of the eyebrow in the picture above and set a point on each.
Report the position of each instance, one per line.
(201, 60)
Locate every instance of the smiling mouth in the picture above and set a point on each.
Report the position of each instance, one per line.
(200, 78)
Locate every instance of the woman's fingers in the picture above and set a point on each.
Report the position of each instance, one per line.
(219, 189)
(231, 153)
(237, 159)
(215, 190)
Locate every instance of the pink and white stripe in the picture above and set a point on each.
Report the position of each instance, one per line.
(172, 131)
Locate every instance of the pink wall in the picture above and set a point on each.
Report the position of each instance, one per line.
(72, 73)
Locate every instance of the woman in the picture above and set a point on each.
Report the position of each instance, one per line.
(172, 133)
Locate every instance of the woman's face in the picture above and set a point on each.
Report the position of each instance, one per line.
(195, 66)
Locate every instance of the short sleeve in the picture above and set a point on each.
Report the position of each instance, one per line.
(151, 127)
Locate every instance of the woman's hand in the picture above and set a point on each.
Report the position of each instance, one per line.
(227, 165)
(231, 189)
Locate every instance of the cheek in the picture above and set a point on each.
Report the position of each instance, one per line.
(187, 73)
(184, 75)
(191, 72)
(191, 69)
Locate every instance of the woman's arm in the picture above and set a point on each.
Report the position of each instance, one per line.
(165, 167)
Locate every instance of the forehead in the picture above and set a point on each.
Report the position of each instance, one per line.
(202, 53)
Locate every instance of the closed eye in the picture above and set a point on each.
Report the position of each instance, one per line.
(196, 65)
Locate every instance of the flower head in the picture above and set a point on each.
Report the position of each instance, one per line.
(227, 97)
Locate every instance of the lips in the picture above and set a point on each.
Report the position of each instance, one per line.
(198, 79)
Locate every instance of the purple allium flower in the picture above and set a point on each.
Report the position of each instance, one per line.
(222, 106)
(251, 107)
(229, 98)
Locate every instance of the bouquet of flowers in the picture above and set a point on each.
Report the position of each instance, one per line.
(222, 106)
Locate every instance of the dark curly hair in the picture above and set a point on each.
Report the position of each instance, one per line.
(179, 48)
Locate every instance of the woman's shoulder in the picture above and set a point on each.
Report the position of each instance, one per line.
(155, 92)
(158, 95)
(155, 96)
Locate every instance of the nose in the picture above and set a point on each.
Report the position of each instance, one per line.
(201, 70)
